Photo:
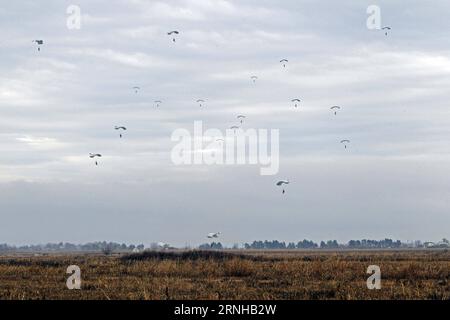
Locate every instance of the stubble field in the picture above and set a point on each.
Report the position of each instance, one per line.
(229, 275)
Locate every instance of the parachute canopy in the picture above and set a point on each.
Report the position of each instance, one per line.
(213, 235)
(93, 155)
(284, 61)
(281, 182)
(345, 143)
(297, 101)
(39, 43)
(173, 33)
(335, 108)
(120, 128)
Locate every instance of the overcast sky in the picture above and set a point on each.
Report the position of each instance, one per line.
(61, 103)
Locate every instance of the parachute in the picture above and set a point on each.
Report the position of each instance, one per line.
(386, 28)
(297, 101)
(158, 102)
(200, 101)
(335, 108)
(345, 142)
(213, 235)
(39, 43)
(136, 89)
(94, 155)
(254, 78)
(284, 61)
(241, 117)
(120, 128)
(172, 33)
(281, 183)
(234, 128)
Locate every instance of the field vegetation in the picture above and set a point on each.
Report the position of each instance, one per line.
(238, 274)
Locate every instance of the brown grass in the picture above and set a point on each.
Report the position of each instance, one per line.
(230, 275)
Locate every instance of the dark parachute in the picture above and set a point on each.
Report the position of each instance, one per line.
(284, 61)
(120, 128)
(39, 43)
(345, 142)
(335, 108)
(281, 183)
(95, 155)
(297, 101)
(200, 102)
(173, 33)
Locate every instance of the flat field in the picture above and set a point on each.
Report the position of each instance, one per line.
(405, 274)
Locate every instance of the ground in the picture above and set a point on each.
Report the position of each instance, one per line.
(407, 274)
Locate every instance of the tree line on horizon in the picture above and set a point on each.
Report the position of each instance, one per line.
(308, 244)
(99, 246)
(109, 247)
(331, 244)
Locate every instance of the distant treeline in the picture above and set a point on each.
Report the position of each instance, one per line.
(109, 247)
(103, 246)
(330, 244)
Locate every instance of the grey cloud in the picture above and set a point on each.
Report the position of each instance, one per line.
(61, 103)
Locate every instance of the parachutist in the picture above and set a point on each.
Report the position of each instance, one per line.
(200, 101)
(120, 128)
(387, 29)
(335, 108)
(297, 101)
(171, 33)
(93, 155)
(281, 182)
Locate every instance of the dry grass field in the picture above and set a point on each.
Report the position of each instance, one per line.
(229, 275)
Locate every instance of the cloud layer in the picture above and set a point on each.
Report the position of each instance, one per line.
(61, 103)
